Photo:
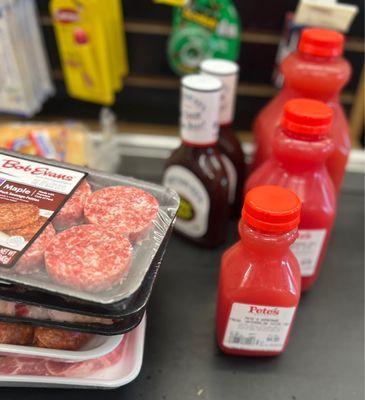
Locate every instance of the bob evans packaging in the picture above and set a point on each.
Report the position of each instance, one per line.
(31, 193)
(79, 235)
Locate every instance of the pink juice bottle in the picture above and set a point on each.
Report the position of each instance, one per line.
(259, 283)
(316, 70)
(301, 148)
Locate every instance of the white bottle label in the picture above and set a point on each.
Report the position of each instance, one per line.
(227, 73)
(228, 98)
(193, 215)
(232, 178)
(307, 249)
(199, 115)
(253, 327)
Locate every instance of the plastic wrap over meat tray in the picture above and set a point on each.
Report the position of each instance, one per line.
(27, 306)
(101, 243)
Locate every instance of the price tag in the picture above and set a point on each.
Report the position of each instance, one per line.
(325, 14)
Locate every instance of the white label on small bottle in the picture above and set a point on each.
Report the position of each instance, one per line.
(232, 178)
(228, 98)
(193, 215)
(253, 327)
(228, 94)
(307, 249)
(199, 115)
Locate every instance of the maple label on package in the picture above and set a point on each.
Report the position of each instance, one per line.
(30, 194)
(253, 327)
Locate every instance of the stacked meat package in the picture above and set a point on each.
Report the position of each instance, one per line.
(79, 254)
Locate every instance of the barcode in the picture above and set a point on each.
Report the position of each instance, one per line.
(237, 338)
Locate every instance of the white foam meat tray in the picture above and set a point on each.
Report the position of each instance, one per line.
(123, 372)
(96, 347)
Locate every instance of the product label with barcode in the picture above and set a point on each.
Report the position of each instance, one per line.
(307, 249)
(254, 327)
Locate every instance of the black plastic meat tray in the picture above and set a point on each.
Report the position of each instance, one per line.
(126, 314)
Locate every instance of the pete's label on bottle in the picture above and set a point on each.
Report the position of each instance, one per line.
(232, 178)
(307, 249)
(193, 214)
(256, 327)
(199, 116)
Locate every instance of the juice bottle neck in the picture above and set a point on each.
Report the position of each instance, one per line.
(319, 59)
(328, 97)
(298, 155)
(266, 243)
(320, 78)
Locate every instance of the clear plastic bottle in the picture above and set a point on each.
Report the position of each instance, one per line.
(316, 70)
(301, 148)
(259, 284)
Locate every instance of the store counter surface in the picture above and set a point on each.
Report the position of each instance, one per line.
(323, 361)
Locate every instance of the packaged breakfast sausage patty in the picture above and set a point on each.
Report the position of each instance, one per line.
(79, 233)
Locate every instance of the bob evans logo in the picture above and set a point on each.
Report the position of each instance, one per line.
(40, 171)
(258, 310)
(66, 15)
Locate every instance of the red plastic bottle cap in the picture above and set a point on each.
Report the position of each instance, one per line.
(321, 42)
(311, 118)
(271, 209)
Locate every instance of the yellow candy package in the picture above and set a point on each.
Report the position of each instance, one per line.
(84, 44)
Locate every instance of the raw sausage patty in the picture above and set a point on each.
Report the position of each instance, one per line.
(17, 215)
(127, 210)
(88, 257)
(73, 210)
(32, 260)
